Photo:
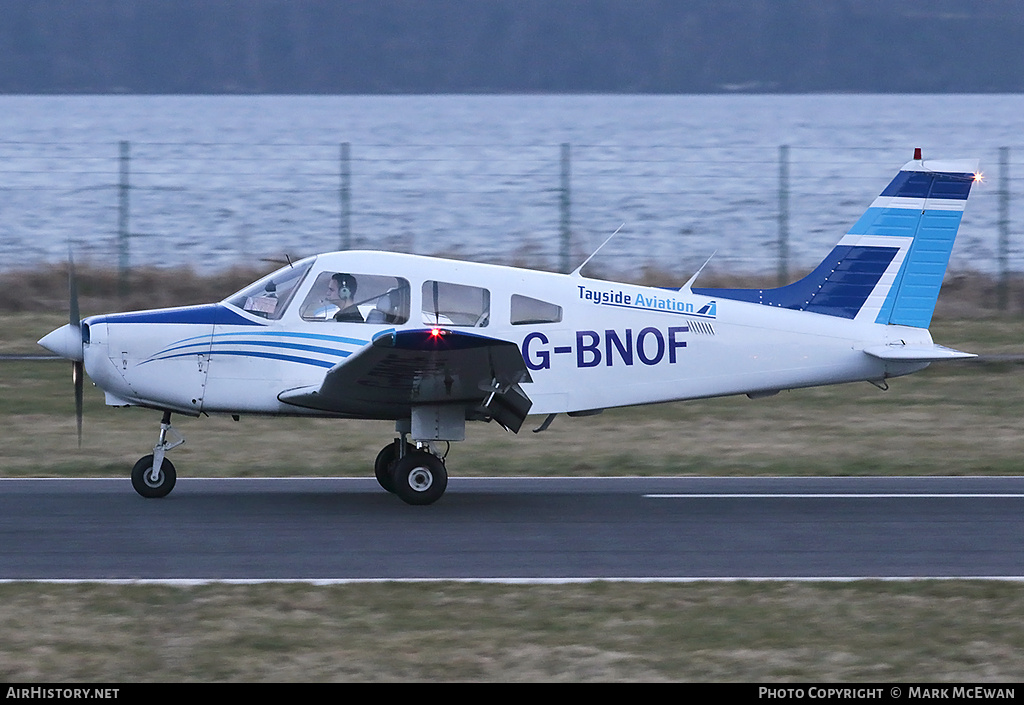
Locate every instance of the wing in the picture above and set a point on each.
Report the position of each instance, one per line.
(402, 369)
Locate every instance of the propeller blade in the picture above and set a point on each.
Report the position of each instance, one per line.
(78, 375)
(77, 366)
(75, 319)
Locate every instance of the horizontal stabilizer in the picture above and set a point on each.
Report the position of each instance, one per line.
(916, 353)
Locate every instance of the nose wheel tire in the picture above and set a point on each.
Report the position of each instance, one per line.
(148, 486)
(419, 478)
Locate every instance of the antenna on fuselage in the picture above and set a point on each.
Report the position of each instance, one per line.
(576, 272)
(272, 260)
(696, 274)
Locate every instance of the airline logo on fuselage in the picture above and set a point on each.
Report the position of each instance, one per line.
(646, 301)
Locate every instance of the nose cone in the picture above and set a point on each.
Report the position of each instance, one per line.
(66, 341)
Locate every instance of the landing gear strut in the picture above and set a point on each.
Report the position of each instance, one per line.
(154, 476)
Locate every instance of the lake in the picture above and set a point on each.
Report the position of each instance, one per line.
(214, 181)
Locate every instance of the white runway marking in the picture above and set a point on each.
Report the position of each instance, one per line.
(196, 582)
(851, 495)
(325, 582)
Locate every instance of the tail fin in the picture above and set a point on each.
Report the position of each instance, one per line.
(890, 265)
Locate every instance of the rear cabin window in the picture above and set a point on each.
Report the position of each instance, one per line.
(455, 304)
(357, 298)
(526, 311)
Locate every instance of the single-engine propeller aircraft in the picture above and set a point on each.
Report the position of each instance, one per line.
(433, 343)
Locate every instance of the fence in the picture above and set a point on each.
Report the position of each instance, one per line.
(212, 205)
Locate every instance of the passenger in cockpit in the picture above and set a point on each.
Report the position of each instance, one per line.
(341, 292)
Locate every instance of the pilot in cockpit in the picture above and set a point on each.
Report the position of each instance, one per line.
(341, 292)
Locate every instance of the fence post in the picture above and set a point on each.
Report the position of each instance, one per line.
(565, 202)
(122, 222)
(1003, 293)
(783, 264)
(345, 199)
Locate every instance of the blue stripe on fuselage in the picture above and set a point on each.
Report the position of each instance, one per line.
(206, 314)
(204, 347)
(270, 356)
(214, 344)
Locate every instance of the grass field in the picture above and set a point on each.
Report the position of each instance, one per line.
(958, 631)
(961, 419)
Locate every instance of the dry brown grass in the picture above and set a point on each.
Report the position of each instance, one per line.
(744, 632)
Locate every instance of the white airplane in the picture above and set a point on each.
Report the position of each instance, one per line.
(433, 343)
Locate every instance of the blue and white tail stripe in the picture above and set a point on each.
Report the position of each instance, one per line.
(312, 349)
(889, 267)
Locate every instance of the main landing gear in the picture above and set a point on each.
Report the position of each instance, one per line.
(416, 475)
(414, 472)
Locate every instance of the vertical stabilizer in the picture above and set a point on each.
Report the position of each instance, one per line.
(890, 265)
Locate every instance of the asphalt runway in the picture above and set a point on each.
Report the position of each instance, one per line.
(516, 529)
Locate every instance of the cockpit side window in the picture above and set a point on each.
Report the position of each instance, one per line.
(269, 297)
(528, 311)
(455, 304)
(357, 298)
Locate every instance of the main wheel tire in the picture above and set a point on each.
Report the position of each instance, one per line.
(384, 465)
(144, 484)
(419, 478)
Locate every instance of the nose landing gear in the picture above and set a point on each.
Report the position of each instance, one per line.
(154, 476)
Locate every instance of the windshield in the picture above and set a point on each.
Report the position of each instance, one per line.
(269, 296)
